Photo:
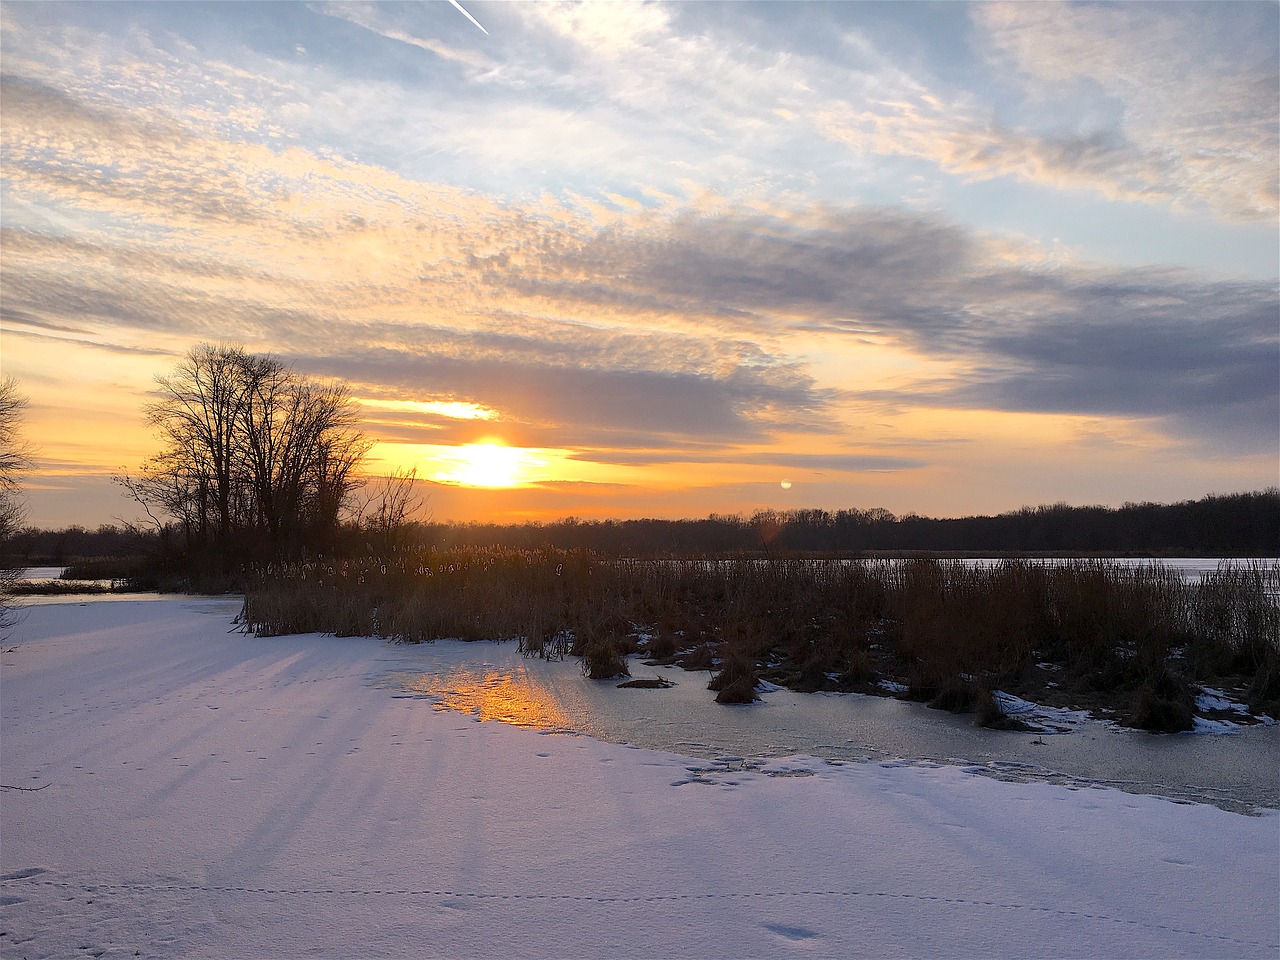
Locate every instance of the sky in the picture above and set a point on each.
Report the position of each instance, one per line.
(644, 259)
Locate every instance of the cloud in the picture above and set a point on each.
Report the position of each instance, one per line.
(11, 317)
(648, 324)
(661, 322)
(577, 402)
(91, 344)
(818, 462)
(1196, 91)
(1033, 336)
(1171, 105)
(1153, 103)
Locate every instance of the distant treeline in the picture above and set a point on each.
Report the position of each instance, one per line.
(1233, 525)
(34, 547)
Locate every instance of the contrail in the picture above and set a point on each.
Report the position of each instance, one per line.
(469, 16)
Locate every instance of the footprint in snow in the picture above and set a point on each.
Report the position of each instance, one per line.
(788, 932)
(25, 874)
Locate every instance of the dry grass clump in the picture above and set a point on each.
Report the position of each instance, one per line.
(602, 659)
(1135, 637)
(1164, 702)
(1237, 629)
(737, 680)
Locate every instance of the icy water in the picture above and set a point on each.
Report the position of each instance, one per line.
(1238, 771)
(31, 574)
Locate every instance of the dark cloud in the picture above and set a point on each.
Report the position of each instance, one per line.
(1203, 358)
(738, 405)
(831, 267)
(10, 316)
(836, 463)
(1200, 353)
(94, 344)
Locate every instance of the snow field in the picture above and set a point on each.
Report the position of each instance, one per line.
(190, 791)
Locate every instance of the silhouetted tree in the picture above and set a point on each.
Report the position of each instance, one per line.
(385, 507)
(15, 455)
(255, 458)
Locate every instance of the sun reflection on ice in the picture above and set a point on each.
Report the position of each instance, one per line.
(493, 695)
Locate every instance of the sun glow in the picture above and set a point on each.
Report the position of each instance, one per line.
(488, 464)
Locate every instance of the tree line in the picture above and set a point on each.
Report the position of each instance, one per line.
(15, 455)
(1233, 525)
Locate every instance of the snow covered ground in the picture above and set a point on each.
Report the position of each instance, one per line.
(190, 791)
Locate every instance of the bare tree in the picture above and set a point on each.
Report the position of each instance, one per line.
(301, 448)
(385, 508)
(255, 456)
(15, 457)
(197, 418)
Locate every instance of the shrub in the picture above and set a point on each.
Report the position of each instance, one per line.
(736, 682)
(602, 661)
(1164, 704)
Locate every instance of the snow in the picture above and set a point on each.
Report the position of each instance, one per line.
(190, 791)
(1211, 698)
(1038, 717)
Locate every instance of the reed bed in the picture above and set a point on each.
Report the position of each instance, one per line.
(1132, 639)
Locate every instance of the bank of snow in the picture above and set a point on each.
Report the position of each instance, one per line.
(192, 791)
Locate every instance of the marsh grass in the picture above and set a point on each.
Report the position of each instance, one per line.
(53, 588)
(1136, 638)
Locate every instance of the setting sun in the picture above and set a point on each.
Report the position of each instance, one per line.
(487, 464)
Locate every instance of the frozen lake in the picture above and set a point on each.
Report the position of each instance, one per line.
(495, 682)
(1191, 568)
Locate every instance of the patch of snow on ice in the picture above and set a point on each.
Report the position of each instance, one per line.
(1039, 718)
(1213, 699)
(1213, 726)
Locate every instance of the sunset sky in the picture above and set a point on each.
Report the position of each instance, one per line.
(631, 259)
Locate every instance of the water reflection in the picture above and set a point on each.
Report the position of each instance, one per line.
(513, 697)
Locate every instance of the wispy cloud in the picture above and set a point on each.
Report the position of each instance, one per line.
(1156, 114)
